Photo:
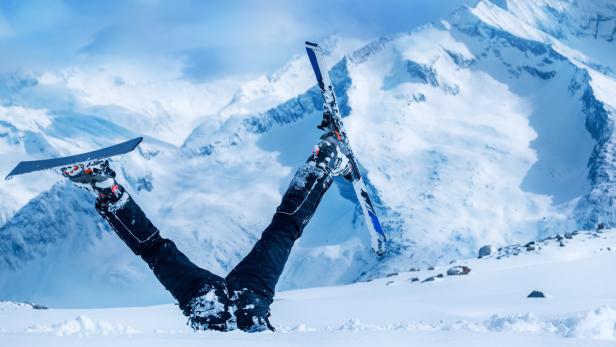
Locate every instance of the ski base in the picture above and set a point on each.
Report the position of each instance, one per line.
(45, 164)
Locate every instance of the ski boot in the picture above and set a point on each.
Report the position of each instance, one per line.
(328, 155)
(97, 177)
(313, 178)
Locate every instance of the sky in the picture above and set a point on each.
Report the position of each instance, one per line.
(206, 40)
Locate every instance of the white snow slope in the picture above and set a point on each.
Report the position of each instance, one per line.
(492, 126)
(487, 307)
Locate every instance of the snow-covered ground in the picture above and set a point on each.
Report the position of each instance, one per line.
(486, 307)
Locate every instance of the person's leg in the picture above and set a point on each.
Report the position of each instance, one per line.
(194, 288)
(252, 282)
(202, 295)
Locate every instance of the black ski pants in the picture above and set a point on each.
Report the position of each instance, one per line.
(259, 271)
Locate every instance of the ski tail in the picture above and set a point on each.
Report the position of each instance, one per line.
(315, 61)
(378, 240)
(334, 122)
(107, 152)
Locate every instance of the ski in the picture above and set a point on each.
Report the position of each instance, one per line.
(38, 165)
(332, 120)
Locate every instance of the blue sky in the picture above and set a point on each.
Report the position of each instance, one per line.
(211, 39)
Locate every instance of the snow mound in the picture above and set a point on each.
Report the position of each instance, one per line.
(82, 326)
(524, 323)
(299, 328)
(520, 323)
(597, 324)
(13, 305)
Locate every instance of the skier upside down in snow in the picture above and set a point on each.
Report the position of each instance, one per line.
(242, 299)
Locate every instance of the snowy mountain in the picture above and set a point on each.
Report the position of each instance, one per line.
(492, 126)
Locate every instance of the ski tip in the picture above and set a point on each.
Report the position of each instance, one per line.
(134, 142)
(137, 140)
(311, 44)
(12, 173)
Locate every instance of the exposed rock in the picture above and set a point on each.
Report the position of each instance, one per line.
(568, 235)
(414, 279)
(432, 268)
(413, 269)
(485, 251)
(439, 276)
(429, 279)
(458, 270)
(390, 283)
(562, 243)
(391, 274)
(537, 294)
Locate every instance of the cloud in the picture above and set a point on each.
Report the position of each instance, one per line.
(5, 28)
(211, 38)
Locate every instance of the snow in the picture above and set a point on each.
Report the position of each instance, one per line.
(490, 157)
(11, 305)
(507, 21)
(81, 326)
(485, 307)
(18, 128)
